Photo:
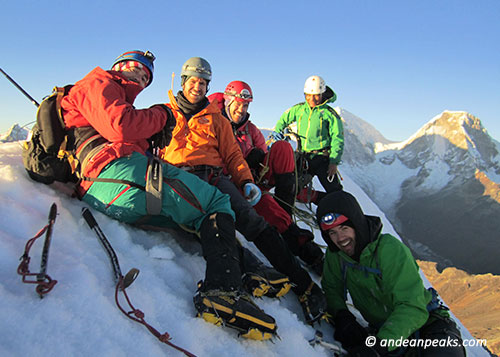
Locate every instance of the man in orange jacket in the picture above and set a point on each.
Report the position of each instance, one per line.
(203, 144)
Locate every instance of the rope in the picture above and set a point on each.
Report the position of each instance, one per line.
(138, 316)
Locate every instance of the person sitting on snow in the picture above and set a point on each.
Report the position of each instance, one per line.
(123, 181)
(383, 280)
(203, 144)
(273, 168)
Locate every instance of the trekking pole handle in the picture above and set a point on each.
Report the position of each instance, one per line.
(89, 218)
(20, 88)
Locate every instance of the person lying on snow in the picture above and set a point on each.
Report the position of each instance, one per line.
(273, 168)
(112, 140)
(203, 144)
(383, 280)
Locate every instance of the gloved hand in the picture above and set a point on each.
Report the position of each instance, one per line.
(252, 193)
(162, 138)
(277, 136)
(254, 158)
(363, 351)
(348, 331)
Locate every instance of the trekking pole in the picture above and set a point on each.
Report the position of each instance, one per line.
(20, 88)
(43, 280)
(122, 282)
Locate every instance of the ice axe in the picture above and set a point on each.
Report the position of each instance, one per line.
(20, 88)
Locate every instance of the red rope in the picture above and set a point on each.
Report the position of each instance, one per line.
(44, 282)
(138, 316)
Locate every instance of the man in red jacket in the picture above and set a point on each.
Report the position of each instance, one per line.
(273, 168)
(121, 179)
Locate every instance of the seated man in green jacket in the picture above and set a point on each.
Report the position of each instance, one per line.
(383, 280)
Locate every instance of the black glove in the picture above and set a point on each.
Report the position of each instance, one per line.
(348, 331)
(162, 138)
(254, 158)
(363, 351)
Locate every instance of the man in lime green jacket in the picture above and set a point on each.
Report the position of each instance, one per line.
(383, 280)
(320, 130)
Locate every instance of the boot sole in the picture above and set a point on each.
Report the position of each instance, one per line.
(251, 333)
(265, 329)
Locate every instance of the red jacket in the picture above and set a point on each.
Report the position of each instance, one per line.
(249, 137)
(206, 139)
(103, 100)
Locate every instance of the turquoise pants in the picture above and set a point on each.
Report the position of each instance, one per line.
(128, 204)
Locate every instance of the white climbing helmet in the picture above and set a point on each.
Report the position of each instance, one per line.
(314, 85)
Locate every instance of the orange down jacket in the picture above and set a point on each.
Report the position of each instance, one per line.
(206, 139)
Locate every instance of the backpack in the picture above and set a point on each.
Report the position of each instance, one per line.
(48, 155)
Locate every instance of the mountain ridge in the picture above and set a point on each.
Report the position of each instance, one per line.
(448, 171)
(467, 295)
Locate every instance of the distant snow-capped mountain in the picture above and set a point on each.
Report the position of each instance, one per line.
(15, 133)
(439, 188)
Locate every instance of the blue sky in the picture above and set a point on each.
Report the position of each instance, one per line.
(395, 64)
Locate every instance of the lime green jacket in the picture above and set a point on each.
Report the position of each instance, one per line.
(385, 287)
(319, 127)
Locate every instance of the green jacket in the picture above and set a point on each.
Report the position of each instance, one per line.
(320, 127)
(393, 300)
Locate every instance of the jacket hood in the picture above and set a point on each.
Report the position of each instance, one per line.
(219, 97)
(329, 96)
(367, 228)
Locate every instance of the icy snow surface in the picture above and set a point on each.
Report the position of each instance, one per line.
(79, 316)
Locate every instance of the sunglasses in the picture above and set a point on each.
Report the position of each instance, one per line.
(331, 220)
(244, 94)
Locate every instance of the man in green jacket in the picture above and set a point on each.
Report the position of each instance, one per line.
(383, 280)
(320, 130)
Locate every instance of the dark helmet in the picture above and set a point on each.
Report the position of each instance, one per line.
(197, 67)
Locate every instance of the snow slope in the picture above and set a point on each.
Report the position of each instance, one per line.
(79, 316)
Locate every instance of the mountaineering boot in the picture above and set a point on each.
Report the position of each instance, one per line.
(236, 310)
(219, 298)
(260, 280)
(312, 254)
(285, 190)
(271, 244)
(301, 243)
(220, 250)
(313, 303)
(310, 195)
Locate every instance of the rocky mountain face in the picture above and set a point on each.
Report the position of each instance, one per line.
(472, 298)
(440, 188)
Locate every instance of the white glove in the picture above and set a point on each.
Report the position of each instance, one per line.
(252, 193)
